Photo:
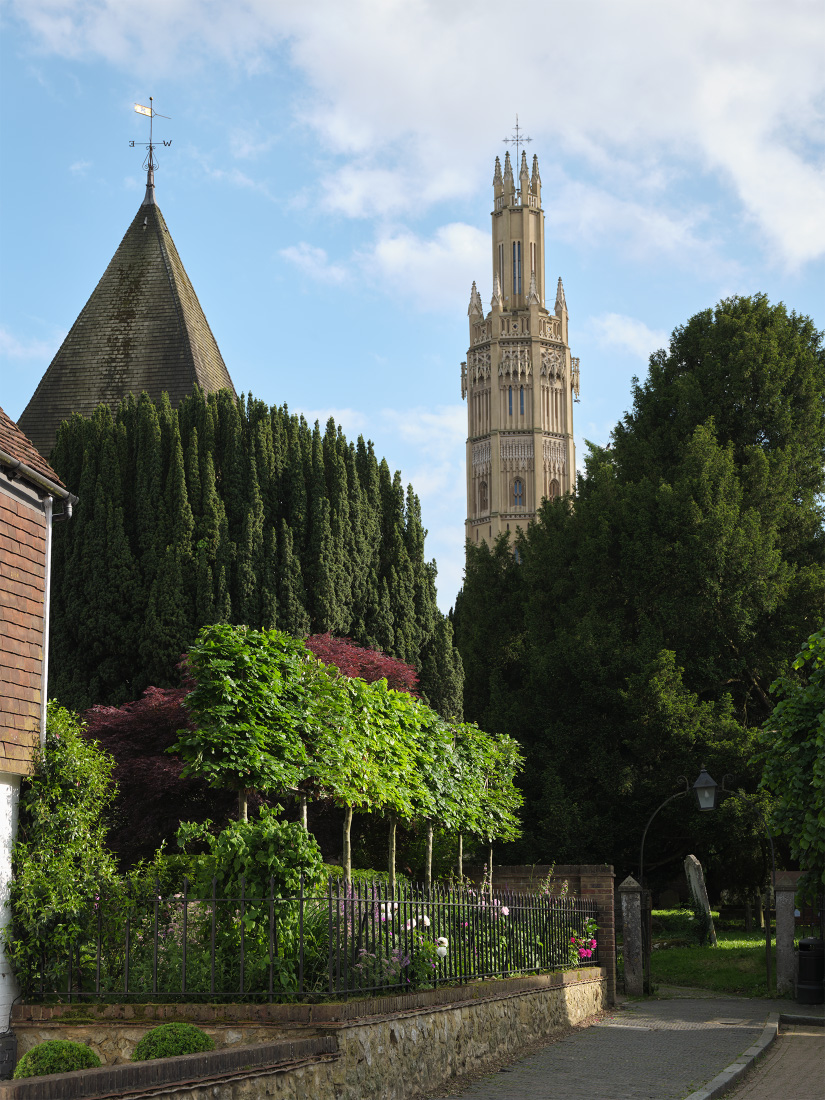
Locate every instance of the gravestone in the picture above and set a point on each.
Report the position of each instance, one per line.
(698, 890)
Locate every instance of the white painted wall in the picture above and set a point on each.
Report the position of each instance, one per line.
(9, 802)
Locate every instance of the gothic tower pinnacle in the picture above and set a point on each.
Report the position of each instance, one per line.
(519, 378)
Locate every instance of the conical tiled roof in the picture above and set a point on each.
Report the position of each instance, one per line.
(142, 329)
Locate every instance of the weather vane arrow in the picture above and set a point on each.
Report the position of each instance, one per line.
(151, 114)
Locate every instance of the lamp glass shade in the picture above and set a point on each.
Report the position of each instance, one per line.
(705, 788)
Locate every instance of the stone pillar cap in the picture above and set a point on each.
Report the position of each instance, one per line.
(630, 883)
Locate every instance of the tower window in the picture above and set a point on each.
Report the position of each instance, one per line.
(521, 400)
(518, 493)
(482, 497)
(501, 266)
(517, 267)
(510, 399)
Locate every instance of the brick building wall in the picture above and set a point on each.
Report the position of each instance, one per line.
(22, 590)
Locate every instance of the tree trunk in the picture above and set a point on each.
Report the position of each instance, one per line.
(461, 857)
(748, 915)
(490, 872)
(304, 812)
(347, 850)
(243, 808)
(391, 853)
(428, 869)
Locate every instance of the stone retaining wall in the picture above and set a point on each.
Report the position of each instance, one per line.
(406, 1046)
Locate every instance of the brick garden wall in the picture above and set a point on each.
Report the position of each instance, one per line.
(583, 880)
(22, 587)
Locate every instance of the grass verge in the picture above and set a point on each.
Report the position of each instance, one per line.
(735, 965)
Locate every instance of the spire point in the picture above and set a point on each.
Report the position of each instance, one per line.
(561, 304)
(475, 306)
(497, 301)
(149, 197)
(533, 294)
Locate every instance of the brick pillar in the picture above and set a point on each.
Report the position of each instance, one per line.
(597, 882)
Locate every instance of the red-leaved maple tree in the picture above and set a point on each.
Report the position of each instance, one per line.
(366, 664)
(153, 798)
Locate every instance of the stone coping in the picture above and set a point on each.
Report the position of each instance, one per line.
(136, 1078)
(300, 1014)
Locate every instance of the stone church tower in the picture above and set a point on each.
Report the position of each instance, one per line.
(519, 379)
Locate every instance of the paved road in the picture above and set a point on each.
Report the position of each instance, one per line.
(793, 1068)
(648, 1050)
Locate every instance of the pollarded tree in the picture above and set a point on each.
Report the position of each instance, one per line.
(792, 756)
(246, 709)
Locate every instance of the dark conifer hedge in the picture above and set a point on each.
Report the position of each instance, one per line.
(227, 510)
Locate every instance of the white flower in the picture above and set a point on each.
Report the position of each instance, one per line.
(443, 941)
(426, 921)
(441, 951)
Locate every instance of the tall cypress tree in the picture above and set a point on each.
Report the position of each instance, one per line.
(227, 510)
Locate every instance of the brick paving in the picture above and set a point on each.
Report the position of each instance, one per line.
(793, 1067)
(648, 1050)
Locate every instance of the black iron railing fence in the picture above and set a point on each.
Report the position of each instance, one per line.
(350, 939)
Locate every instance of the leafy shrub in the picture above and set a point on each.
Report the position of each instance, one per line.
(56, 1056)
(171, 1040)
(260, 849)
(60, 858)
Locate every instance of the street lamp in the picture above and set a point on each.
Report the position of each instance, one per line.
(707, 791)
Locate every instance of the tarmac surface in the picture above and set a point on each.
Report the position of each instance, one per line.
(793, 1067)
(682, 1043)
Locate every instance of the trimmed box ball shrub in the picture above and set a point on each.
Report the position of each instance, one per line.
(169, 1040)
(56, 1056)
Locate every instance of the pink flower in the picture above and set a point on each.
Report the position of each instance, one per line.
(505, 912)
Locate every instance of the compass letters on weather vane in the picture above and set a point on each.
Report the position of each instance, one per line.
(150, 112)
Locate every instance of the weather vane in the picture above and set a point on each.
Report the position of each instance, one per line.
(151, 113)
(518, 140)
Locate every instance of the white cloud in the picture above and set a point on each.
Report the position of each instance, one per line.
(80, 167)
(436, 272)
(629, 334)
(438, 432)
(314, 262)
(408, 96)
(23, 349)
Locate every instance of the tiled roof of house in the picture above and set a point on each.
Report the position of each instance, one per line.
(142, 329)
(18, 446)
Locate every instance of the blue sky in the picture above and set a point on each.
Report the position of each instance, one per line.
(329, 188)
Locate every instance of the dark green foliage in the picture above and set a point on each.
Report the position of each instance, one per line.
(170, 1041)
(261, 851)
(792, 755)
(638, 637)
(55, 1056)
(227, 510)
(60, 860)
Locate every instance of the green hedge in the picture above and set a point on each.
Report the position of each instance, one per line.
(171, 1040)
(56, 1056)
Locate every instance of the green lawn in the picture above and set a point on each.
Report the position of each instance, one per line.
(735, 965)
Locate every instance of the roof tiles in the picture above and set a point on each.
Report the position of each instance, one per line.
(142, 329)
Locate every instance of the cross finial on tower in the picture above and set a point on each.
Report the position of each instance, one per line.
(517, 138)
